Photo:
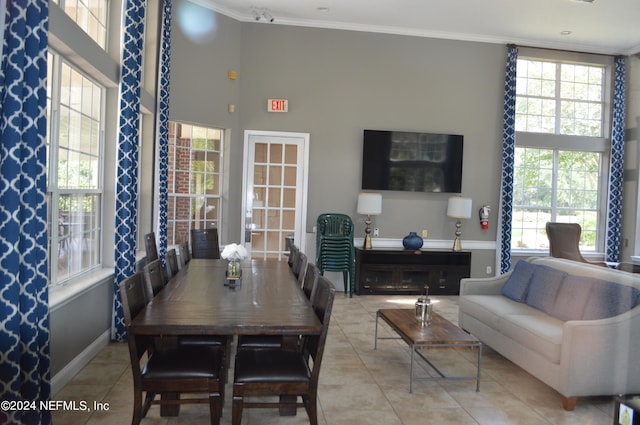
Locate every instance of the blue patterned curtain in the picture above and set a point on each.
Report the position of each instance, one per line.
(24, 312)
(616, 168)
(127, 164)
(163, 127)
(508, 149)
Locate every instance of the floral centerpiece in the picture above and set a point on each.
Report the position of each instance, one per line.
(234, 253)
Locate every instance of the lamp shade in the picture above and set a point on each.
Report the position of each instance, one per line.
(369, 203)
(459, 207)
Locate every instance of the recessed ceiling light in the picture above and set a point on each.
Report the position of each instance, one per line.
(585, 1)
(323, 9)
(565, 32)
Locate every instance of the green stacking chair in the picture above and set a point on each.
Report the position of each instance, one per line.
(334, 247)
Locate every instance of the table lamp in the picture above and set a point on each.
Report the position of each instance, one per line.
(458, 208)
(369, 204)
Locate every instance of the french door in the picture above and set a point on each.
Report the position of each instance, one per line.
(275, 192)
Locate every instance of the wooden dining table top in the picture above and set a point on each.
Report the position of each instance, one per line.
(267, 301)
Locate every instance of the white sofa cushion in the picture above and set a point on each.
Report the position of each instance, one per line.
(524, 324)
(535, 330)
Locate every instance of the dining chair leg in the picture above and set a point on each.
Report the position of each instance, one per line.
(311, 405)
(215, 408)
(236, 409)
(137, 408)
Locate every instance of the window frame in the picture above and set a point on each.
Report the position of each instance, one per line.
(173, 195)
(562, 142)
(54, 192)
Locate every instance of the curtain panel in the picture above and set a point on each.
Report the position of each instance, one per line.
(616, 167)
(127, 156)
(163, 127)
(503, 253)
(24, 330)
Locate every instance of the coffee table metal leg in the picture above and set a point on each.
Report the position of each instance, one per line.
(375, 341)
(413, 353)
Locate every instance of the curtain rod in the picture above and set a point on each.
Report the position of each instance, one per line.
(567, 51)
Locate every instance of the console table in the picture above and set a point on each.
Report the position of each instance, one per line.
(402, 271)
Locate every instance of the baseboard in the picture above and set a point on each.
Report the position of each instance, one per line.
(67, 373)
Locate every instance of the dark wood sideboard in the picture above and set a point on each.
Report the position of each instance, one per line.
(402, 271)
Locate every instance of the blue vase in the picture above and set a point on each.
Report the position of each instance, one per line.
(412, 241)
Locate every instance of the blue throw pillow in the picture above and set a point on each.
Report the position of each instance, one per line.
(544, 286)
(518, 282)
(608, 299)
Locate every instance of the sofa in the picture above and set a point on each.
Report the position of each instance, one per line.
(572, 325)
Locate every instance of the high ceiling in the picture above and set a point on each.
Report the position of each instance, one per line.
(603, 26)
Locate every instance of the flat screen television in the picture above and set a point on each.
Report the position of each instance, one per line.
(412, 161)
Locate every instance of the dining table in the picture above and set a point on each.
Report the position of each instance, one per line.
(200, 300)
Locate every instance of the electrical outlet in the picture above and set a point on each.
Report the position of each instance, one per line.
(376, 232)
(489, 269)
(425, 232)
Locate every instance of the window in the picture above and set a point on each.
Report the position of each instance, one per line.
(90, 15)
(194, 185)
(74, 163)
(561, 152)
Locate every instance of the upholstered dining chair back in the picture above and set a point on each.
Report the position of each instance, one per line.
(205, 243)
(564, 242)
(155, 278)
(151, 246)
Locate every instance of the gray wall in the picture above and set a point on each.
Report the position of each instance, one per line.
(339, 83)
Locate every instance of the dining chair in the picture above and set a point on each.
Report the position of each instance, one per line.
(183, 254)
(300, 267)
(204, 243)
(151, 246)
(293, 253)
(154, 277)
(168, 371)
(564, 242)
(310, 281)
(171, 263)
(283, 372)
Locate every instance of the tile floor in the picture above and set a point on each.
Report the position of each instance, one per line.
(360, 385)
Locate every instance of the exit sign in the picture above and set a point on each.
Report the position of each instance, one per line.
(277, 105)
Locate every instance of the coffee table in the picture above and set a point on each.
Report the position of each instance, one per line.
(441, 333)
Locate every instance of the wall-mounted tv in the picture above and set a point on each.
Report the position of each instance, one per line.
(412, 161)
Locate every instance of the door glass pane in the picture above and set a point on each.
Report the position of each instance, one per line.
(274, 219)
(275, 175)
(290, 176)
(288, 220)
(274, 197)
(275, 155)
(291, 154)
(289, 198)
(260, 152)
(260, 174)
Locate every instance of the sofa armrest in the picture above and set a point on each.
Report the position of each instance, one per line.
(483, 285)
(602, 351)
